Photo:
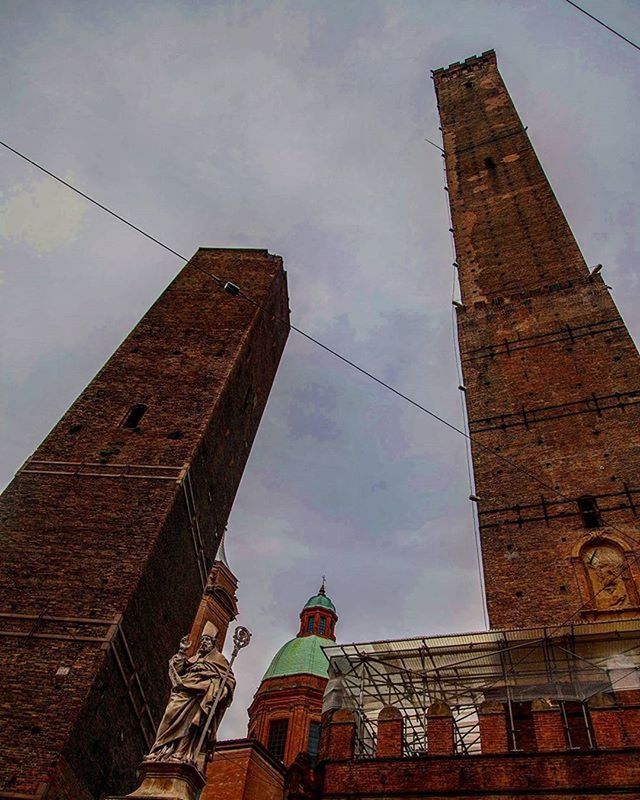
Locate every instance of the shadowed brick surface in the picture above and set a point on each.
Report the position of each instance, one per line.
(243, 769)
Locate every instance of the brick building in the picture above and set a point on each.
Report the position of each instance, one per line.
(110, 528)
(547, 702)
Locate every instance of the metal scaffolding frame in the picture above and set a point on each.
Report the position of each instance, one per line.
(565, 665)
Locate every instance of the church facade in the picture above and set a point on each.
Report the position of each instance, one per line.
(283, 735)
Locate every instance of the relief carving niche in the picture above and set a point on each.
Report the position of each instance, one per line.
(605, 567)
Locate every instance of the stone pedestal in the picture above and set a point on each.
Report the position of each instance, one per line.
(164, 780)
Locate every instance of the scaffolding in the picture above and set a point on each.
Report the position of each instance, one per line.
(565, 665)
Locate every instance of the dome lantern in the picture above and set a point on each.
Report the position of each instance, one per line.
(318, 616)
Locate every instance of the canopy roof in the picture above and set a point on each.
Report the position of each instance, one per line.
(320, 601)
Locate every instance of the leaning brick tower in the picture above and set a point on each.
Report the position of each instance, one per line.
(110, 528)
(552, 376)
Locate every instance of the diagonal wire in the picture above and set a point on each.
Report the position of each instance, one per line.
(238, 292)
(94, 201)
(604, 25)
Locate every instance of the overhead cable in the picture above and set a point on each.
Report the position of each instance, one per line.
(236, 291)
(604, 25)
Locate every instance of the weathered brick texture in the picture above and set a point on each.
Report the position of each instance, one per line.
(337, 741)
(548, 726)
(243, 769)
(552, 376)
(440, 741)
(103, 555)
(492, 725)
(390, 739)
(553, 776)
(296, 698)
(548, 767)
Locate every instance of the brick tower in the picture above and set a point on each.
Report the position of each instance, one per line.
(109, 530)
(219, 603)
(547, 702)
(552, 376)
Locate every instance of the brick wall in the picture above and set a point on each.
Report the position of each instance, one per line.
(243, 770)
(549, 769)
(552, 376)
(296, 698)
(102, 564)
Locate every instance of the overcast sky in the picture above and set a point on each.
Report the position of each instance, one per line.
(297, 127)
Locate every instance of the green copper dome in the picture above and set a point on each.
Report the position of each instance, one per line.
(302, 655)
(320, 601)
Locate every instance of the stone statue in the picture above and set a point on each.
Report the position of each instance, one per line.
(200, 684)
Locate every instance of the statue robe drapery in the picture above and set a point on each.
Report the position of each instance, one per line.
(190, 701)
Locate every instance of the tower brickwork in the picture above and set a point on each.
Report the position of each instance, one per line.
(552, 376)
(109, 530)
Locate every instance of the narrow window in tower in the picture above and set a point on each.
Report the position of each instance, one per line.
(523, 737)
(490, 164)
(322, 626)
(589, 512)
(133, 418)
(577, 728)
(277, 738)
(314, 739)
(310, 625)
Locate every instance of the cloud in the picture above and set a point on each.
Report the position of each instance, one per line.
(43, 215)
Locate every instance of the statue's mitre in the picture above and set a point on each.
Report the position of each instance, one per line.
(209, 630)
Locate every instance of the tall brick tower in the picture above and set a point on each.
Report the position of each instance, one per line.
(110, 529)
(552, 376)
(547, 702)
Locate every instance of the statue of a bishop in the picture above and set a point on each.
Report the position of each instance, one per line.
(196, 683)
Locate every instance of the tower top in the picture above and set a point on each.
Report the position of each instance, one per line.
(221, 555)
(320, 600)
(488, 57)
(304, 653)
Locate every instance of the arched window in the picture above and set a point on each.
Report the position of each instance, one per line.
(277, 738)
(322, 626)
(132, 420)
